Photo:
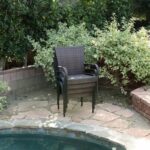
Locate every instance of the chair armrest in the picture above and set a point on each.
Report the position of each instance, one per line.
(63, 74)
(63, 70)
(91, 69)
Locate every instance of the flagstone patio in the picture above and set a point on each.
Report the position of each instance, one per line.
(41, 105)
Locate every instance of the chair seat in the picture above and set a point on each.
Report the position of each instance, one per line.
(81, 78)
(81, 85)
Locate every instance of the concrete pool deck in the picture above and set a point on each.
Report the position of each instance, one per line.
(38, 109)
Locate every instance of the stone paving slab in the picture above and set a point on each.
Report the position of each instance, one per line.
(109, 107)
(40, 113)
(76, 119)
(12, 109)
(5, 124)
(29, 105)
(118, 123)
(83, 112)
(148, 136)
(26, 123)
(54, 107)
(104, 116)
(125, 113)
(137, 132)
(92, 121)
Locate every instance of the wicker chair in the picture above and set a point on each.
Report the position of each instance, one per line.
(73, 77)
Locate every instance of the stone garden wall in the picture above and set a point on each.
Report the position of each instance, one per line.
(24, 79)
(141, 100)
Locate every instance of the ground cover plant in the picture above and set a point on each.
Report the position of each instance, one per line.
(3, 98)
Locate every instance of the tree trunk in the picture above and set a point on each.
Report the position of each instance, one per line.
(2, 64)
(148, 17)
(26, 60)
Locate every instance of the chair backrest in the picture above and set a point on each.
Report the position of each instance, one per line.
(72, 58)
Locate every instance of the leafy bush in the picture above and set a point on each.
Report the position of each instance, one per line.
(3, 102)
(3, 99)
(32, 17)
(12, 36)
(64, 36)
(3, 87)
(22, 18)
(126, 53)
(142, 9)
(98, 12)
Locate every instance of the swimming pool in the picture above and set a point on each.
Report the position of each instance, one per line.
(52, 140)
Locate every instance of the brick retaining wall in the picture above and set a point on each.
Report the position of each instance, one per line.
(24, 79)
(141, 101)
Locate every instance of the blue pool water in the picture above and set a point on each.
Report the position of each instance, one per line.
(33, 141)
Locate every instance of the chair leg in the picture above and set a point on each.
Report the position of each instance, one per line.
(65, 103)
(58, 101)
(81, 101)
(93, 101)
(97, 91)
(58, 97)
(94, 97)
(64, 110)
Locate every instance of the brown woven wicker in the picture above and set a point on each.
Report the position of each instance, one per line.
(72, 58)
(73, 80)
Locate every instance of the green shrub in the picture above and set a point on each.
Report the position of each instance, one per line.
(99, 11)
(142, 9)
(64, 36)
(20, 18)
(12, 36)
(3, 102)
(3, 87)
(3, 99)
(126, 53)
